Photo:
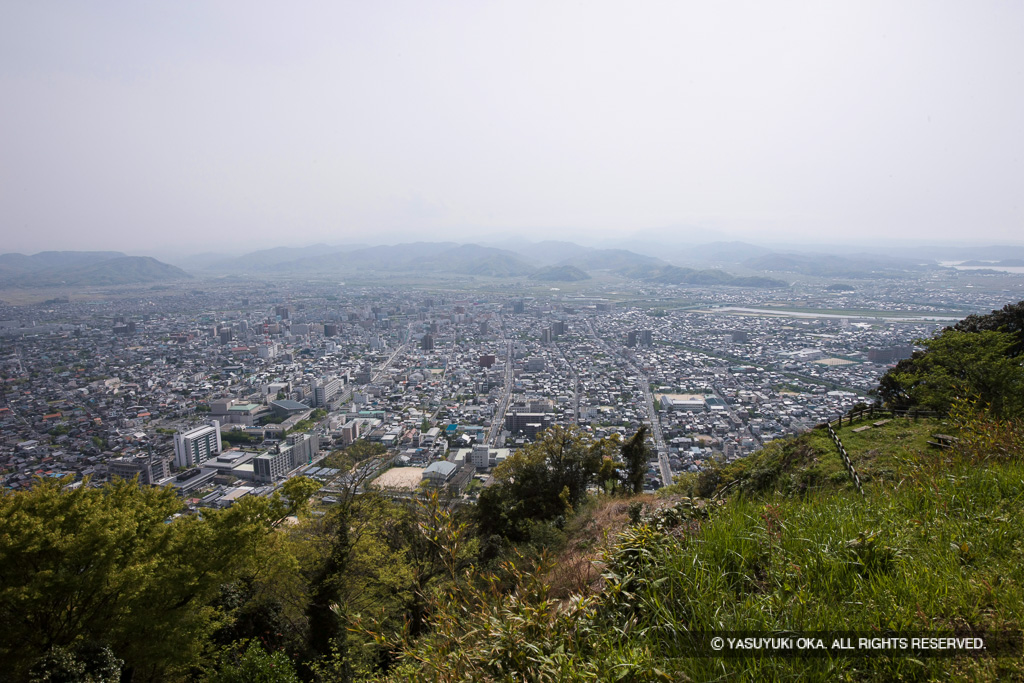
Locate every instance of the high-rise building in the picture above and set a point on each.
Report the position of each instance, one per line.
(148, 468)
(324, 390)
(196, 446)
(631, 339)
(427, 343)
(646, 338)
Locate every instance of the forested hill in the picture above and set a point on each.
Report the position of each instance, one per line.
(561, 571)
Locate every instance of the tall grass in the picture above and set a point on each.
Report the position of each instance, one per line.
(936, 544)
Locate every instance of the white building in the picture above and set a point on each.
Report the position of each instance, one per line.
(481, 456)
(196, 446)
(325, 390)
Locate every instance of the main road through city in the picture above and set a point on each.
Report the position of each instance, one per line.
(645, 385)
(499, 413)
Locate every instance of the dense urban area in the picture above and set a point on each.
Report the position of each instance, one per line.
(227, 387)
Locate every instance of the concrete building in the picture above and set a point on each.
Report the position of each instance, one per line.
(301, 448)
(481, 456)
(270, 466)
(324, 390)
(230, 411)
(148, 468)
(196, 446)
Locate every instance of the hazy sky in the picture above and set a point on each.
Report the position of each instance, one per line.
(240, 125)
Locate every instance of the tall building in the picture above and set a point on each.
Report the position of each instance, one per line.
(631, 339)
(646, 338)
(427, 342)
(196, 446)
(299, 450)
(324, 390)
(148, 468)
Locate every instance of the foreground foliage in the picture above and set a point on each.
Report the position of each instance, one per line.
(936, 545)
(979, 357)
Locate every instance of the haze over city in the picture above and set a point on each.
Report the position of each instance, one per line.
(196, 126)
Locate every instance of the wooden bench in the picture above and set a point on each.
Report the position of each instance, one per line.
(881, 422)
(858, 430)
(942, 441)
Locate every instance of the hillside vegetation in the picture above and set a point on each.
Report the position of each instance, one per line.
(933, 545)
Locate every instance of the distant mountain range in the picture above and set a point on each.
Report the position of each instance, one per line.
(547, 261)
(438, 257)
(83, 269)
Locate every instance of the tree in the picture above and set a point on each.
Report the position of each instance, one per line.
(256, 665)
(1009, 319)
(959, 364)
(106, 566)
(635, 455)
(545, 480)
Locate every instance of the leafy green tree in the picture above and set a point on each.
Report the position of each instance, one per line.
(1009, 319)
(955, 365)
(545, 480)
(297, 491)
(105, 565)
(325, 612)
(256, 665)
(635, 455)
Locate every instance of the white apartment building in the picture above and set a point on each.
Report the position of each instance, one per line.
(196, 446)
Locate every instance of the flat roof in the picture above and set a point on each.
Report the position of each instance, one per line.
(288, 404)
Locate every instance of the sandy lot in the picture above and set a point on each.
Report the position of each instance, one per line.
(400, 478)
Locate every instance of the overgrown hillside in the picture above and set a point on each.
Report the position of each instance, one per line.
(933, 545)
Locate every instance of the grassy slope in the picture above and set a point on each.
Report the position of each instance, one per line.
(935, 544)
